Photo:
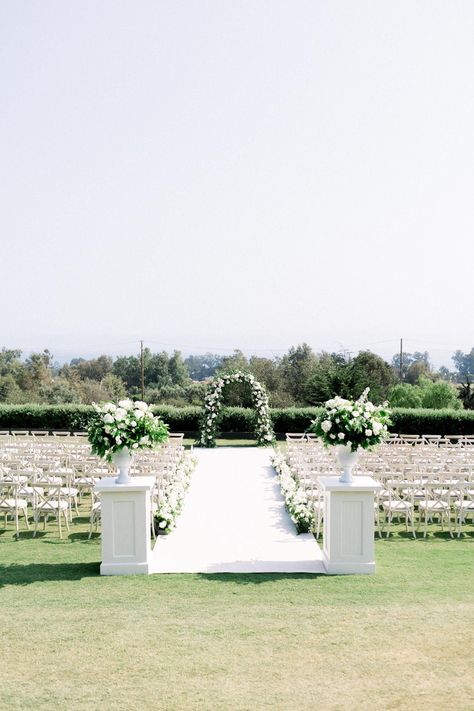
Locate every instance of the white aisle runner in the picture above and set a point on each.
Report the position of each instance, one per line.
(234, 521)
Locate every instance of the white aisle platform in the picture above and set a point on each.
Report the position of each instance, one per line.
(234, 521)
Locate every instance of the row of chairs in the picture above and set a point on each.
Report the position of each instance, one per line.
(50, 482)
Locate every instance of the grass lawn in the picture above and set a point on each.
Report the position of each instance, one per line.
(401, 639)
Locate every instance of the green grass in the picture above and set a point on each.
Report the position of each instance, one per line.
(401, 639)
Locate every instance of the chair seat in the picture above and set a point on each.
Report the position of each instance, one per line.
(434, 505)
(66, 491)
(465, 505)
(397, 505)
(8, 504)
(53, 505)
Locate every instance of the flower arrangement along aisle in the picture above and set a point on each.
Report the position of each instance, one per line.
(297, 502)
(117, 431)
(171, 498)
(350, 425)
(213, 404)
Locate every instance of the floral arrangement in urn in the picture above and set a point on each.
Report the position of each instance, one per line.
(118, 430)
(351, 425)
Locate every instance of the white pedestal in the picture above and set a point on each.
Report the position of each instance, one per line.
(126, 526)
(348, 544)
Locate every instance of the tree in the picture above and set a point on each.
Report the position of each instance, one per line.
(96, 368)
(368, 370)
(439, 395)
(416, 370)
(464, 363)
(177, 370)
(296, 368)
(404, 395)
(203, 367)
(330, 377)
(466, 394)
(409, 359)
(128, 369)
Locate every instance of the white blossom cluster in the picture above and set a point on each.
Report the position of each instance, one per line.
(357, 423)
(127, 424)
(213, 404)
(171, 500)
(296, 500)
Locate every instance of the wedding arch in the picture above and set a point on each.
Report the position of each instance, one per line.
(213, 405)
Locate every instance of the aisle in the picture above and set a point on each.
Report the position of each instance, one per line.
(234, 521)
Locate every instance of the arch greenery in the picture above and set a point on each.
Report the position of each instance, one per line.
(213, 405)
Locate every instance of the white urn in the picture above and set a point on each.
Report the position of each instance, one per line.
(123, 460)
(347, 459)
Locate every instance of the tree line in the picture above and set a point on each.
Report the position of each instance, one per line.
(298, 378)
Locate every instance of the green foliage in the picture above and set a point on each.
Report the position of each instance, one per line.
(464, 363)
(428, 394)
(329, 377)
(296, 369)
(203, 367)
(466, 394)
(439, 395)
(404, 395)
(368, 370)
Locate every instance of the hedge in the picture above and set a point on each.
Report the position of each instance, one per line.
(234, 419)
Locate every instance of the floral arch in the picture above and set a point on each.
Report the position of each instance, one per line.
(213, 405)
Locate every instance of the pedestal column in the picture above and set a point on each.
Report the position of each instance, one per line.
(348, 542)
(126, 526)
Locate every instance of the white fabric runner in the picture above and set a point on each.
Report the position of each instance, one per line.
(234, 521)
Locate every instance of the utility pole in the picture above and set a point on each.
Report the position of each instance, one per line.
(401, 360)
(142, 371)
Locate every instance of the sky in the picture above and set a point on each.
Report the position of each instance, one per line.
(210, 175)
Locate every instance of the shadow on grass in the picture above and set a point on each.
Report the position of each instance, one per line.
(257, 578)
(15, 574)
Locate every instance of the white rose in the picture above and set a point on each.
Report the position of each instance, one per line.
(368, 433)
(108, 419)
(144, 440)
(138, 414)
(118, 440)
(120, 414)
(341, 435)
(135, 445)
(376, 426)
(332, 436)
(326, 425)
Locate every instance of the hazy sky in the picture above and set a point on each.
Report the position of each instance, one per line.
(210, 175)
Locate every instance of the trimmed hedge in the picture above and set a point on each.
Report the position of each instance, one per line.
(234, 419)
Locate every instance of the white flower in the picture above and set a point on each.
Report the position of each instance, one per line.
(341, 435)
(376, 426)
(144, 440)
(135, 445)
(368, 433)
(138, 414)
(126, 404)
(140, 405)
(133, 423)
(120, 414)
(326, 425)
(108, 419)
(118, 440)
(332, 436)
(356, 413)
